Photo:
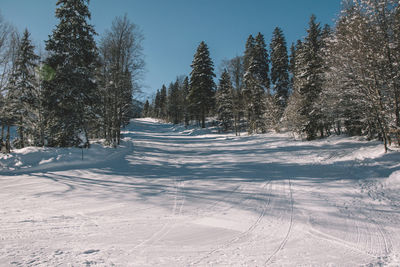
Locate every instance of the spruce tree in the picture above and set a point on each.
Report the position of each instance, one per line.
(248, 52)
(309, 78)
(279, 68)
(72, 93)
(261, 63)
(23, 94)
(293, 118)
(235, 69)
(225, 101)
(163, 104)
(202, 83)
(157, 105)
(292, 64)
(146, 109)
(256, 81)
(174, 103)
(247, 91)
(185, 102)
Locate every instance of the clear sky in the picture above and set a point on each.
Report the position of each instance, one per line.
(174, 28)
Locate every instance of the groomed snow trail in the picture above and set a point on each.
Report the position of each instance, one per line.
(170, 197)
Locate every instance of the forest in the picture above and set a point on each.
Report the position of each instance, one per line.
(337, 80)
(340, 80)
(286, 154)
(76, 89)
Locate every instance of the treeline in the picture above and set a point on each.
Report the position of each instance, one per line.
(77, 89)
(342, 80)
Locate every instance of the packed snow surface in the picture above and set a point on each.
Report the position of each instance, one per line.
(171, 196)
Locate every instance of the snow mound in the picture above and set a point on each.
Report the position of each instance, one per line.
(195, 131)
(393, 181)
(35, 158)
(151, 120)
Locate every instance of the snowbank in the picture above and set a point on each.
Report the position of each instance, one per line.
(38, 158)
(393, 181)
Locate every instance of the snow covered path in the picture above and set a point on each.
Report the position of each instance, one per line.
(169, 198)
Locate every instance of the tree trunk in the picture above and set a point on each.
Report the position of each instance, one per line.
(21, 135)
(203, 119)
(8, 144)
(2, 132)
(236, 129)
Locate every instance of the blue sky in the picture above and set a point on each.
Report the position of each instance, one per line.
(174, 28)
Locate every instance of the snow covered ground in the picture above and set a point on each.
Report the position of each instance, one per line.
(170, 197)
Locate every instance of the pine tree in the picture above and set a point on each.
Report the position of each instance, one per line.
(256, 81)
(185, 102)
(235, 69)
(72, 93)
(261, 63)
(157, 105)
(23, 94)
(174, 103)
(163, 104)
(146, 109)
(247, 90)
(225, 101)
(248, 52)
(293, 119)
(279, 68)
(309, 78)
(202, 83)
(292, 62)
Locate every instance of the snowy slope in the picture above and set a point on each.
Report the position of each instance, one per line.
(176, 197)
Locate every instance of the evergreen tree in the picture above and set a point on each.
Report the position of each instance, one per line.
(146, 109)
(163, 104)
(157, 105)
(279, 68)
(23, 94)
(235, 68)
(247, 91)
(185, 102)
(292, 63)
(174, 103)
(225, 101)
(261, 62)
(72, 93)
(257, 82)
(202, 83)
(309, 78)
(248, 52)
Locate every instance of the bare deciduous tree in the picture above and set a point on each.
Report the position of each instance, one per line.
(122, 65)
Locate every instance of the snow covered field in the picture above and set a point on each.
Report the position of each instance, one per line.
(171, 197)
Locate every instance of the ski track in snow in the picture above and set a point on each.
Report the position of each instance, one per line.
(176, 212)
(240, 236)
(285, 239)
(167, 198)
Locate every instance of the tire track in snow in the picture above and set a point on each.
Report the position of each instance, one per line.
(286, 238)
(241, 235)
